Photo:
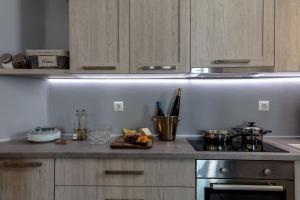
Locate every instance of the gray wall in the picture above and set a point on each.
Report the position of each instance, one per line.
(23, 105)
(23, 102)
(22, 25)
(33, 24)
(206, 104)
(57, 24)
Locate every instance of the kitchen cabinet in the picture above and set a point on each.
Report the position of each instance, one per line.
(118, 193)
(152, 36)
(232, 33)
(99, 36)
(125, 172)
(159, 36)
(287, 41)
(136, 179)
(27, 179)
(297, 180)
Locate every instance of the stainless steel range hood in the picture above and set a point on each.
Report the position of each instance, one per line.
(228, 72)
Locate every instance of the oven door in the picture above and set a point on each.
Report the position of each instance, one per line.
(229, 189)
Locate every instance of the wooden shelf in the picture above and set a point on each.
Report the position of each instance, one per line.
(35, 72)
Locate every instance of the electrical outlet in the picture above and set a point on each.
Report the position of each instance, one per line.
(118, 106)
(264, 106)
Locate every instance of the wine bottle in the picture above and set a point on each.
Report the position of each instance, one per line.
(83, 125)
(159, 111)
(76, 130)
(176, 106)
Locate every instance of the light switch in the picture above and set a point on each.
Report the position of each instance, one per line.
(118, 106)
(264, 106)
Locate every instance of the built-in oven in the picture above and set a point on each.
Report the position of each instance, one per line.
(245, 180)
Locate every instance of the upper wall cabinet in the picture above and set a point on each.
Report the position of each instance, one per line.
(287, 35)
(159, 36)
(99, 36)
(232, 33)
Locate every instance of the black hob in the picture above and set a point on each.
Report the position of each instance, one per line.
(201, 144)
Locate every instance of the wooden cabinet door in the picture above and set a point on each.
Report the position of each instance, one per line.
(297, 180)
(99, 36)
(287, 41)
(122, 193)
(159, 36)
(232, 33)
(76, 193)
(27, 179)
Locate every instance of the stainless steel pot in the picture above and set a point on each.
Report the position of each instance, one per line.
(251, 133)
(217, 136)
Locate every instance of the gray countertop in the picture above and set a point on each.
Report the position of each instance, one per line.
(180, 149)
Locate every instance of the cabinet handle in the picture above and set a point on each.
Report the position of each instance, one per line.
(103, 68)
(269, 188)
(22, 164)
(231, 61)
(154, 68)
(111, 172)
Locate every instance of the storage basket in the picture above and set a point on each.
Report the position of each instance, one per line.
(48, 59)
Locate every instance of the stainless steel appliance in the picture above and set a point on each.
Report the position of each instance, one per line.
(245, 180)
(227, 72)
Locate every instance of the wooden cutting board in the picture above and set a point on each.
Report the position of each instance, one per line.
(120, 143)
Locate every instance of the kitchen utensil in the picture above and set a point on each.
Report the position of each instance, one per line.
(20, 61)
(80, 125)
(251, 133)
(45, 59)
(6, 61)
(120, 143)
(100, 135)
(166, 127)
(62, 141)
(44, 135)
(217, 136)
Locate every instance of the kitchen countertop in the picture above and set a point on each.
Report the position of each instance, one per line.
(180, 149)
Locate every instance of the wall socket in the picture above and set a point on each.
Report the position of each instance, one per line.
(118, 106)
(264, 106)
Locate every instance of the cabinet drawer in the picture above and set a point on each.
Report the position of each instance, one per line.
(27, 179)
(122, 193)
(126, 172)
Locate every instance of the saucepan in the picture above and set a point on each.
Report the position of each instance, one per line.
(251, 133)
(217, 136)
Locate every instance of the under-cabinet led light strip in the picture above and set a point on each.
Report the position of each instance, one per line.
(178, 81)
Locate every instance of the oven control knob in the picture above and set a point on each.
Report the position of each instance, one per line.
(223, 170)
(267, 172)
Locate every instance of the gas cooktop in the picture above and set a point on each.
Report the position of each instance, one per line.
(201, 144)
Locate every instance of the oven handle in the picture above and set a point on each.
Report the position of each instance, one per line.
(267, 188)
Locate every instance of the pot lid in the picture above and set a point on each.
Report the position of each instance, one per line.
(215, 131)
(252, 126)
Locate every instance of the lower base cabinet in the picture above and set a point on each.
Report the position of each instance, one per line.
(297, 180)
(27, 179)
(122, 193)
(125, 179)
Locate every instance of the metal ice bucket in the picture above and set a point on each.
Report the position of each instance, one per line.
(166, 127)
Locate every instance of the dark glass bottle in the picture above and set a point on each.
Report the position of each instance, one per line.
(159, 111)
(176, 106)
